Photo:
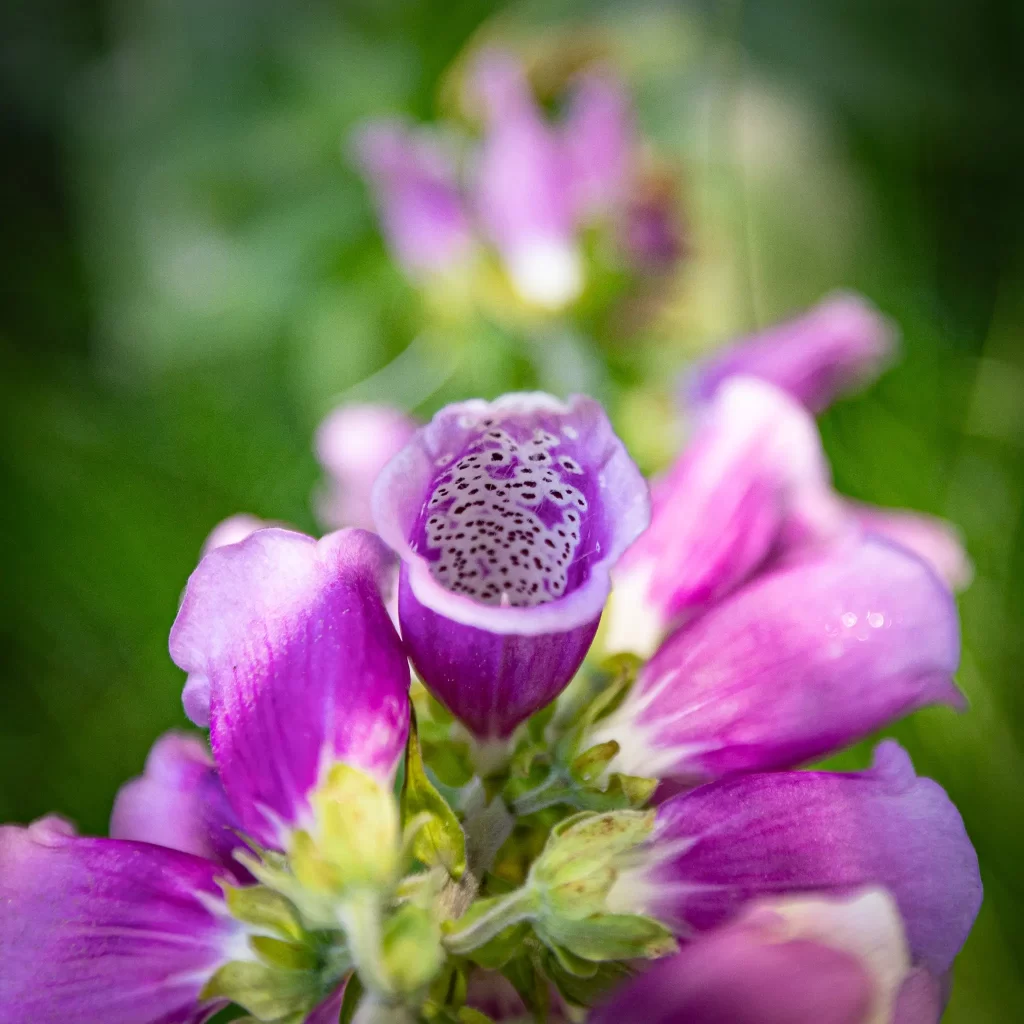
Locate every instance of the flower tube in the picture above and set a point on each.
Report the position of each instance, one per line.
(507, 517)
(840, 345)
(723, 845)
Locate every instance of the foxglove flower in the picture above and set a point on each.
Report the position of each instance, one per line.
(599, 144)
(353, 444)
(929, 537)
(796, 961)
(802, 661)
(752, 479)
(837, 347)
(724, 844)
(507, 517)
(296, 666)
(413, 177)
(522, 186)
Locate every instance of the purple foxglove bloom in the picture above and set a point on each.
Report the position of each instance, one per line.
(929, 537)
(724, 844)
(507, 517)
(806, 659)
(107, 930)
(353, 444)
(753, 478)
(523, 186)
(804, 961)
(179, 803)
(599, 144)
(414, 180)
(290, 650)
(296, 665)
(232, 530)
(840, 345)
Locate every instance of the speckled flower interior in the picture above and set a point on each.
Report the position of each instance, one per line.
(508, 517)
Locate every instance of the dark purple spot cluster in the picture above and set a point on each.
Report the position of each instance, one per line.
(503, 519)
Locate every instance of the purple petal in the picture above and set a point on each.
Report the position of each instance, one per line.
(507, 517)
(353, 444)
(727, 843)
(753, 478)
(802, 661)
(103, 930)
(302, 665)
(921, 999)
(523, 186)
(329, 1010)
(179, 803)
(599, 143)
(933, 539)
(232, 530)
(840, 345)
(414, 180)
(733, 976)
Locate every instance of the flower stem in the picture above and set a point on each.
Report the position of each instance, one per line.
(553, 790)
(515, 907)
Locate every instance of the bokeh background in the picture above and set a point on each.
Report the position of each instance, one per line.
(192, 277)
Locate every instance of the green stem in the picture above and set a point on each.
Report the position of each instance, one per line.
(360, 915)
(517, 906)
(553, 790)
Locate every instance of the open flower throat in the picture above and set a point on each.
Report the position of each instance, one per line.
(505, 517)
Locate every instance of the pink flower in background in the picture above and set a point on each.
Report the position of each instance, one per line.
(353, 444)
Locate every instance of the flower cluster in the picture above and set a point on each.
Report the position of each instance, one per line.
(521, 829)
(527, 190)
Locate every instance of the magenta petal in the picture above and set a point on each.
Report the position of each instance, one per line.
(102, 930)
(523, 186)
(933, 539)
(727, 843)
(839, 345)
(414, 180)
(302, 664)
(507, 517)
(800, 662)
(732, 976)
(753, 478)
(353, 444)
(232, 530)
(179, 803)
(599, 143)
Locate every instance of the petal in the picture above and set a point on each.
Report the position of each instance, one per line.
(522, 186)
(353, 444)
(103, 930)
(507, 517)
(302, 665)
(838, 346)
(802, 661)
(727, 843)
(232, 530)
(599, 142)
(414, 179)
(329, 1010)
(939, 543)
(734, 977)
(921, 999)
(754, 477)
(179, 803)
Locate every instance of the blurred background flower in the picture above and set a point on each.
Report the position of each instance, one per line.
(225, 220)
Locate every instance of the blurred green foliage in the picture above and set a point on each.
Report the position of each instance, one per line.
(192, 275)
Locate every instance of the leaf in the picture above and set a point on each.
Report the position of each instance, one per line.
(439, 839)
(612, 937)
(256, 904)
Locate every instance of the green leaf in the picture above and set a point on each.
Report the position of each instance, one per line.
(439, 839)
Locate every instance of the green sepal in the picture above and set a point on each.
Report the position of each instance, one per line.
(269, 993)
(604, 937)
(411, 949)
(265, 908)
(591, 764)
(351, 998)
(584, 991)
(569, 961)
(439, 840)
(590, 836)
(493, 955)
(291, 956)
